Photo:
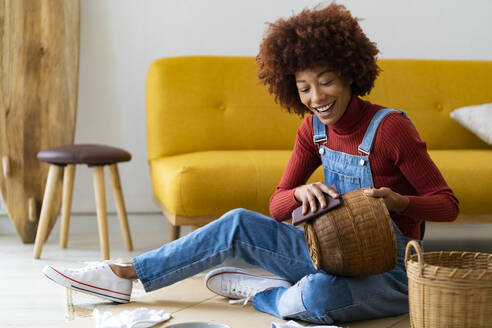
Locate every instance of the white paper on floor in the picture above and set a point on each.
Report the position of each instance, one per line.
(138, 318)
(293, 324)
(82, 305)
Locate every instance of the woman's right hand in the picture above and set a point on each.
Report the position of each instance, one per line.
(307, 194)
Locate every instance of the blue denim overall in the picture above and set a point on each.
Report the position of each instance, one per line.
(280, 248)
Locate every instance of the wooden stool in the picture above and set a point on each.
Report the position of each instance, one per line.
(96, 157)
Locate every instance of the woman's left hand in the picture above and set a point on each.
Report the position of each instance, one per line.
(393, 200)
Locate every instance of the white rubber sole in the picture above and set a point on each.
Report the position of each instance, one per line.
(274, 282)
(65, 281)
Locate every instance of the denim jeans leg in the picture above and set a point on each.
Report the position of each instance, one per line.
(323, 298)
(310, 299)
(257, 239)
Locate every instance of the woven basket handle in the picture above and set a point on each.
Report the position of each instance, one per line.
(416, 246)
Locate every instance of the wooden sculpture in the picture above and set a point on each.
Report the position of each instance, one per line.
(39, 65)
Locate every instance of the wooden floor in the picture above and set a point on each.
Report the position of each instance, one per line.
(188, 301)
(30, 300)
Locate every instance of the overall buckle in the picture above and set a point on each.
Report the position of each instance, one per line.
(362, 152)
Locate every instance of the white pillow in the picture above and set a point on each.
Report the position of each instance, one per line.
(477, 119)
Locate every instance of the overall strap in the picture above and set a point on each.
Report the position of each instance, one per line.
(366, 145)
(319, 129)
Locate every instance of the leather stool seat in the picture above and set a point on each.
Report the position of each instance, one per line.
(90, 154)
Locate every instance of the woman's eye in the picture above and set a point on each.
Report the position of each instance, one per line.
(326, 83)
(303, 90)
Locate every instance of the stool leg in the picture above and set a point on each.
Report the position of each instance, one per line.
(120, 205)
(68, 177)
(102, 218)
(44, 219)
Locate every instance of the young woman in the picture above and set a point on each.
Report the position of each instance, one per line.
(318, 63)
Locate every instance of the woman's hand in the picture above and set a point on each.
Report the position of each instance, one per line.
(307, 194)
(393, 200)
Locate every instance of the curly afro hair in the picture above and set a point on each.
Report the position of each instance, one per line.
(328, 36)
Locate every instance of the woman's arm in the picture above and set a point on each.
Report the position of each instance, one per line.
(303, 162)
(434, 201)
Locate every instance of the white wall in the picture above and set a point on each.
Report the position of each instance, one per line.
(120, 38)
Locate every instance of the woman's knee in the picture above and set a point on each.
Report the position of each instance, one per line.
(234, 218)
(323, 292)
(314, 296)
(290, 303)
(237, 213)
(234, 223)
(241, 217)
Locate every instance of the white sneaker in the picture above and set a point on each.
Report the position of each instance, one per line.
(240, 285)
(96, 279)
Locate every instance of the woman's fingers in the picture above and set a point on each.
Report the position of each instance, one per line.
(305, 206)
(320, 196)
(381, 192)
(394, 201)
(311, 197)
(317, 194)
(328, 190)
(312, 194)
(308, 200)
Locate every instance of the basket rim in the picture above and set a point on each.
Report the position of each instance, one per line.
(417, 266)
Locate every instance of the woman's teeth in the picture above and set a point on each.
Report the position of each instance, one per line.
(325, 108)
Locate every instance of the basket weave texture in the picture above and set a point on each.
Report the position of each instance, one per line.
(355, 239)
(449, 289)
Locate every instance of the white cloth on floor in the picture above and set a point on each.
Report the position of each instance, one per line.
(293, 324)
(138, 318)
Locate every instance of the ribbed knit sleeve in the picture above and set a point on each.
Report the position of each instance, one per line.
(432, 200)
(303, 162)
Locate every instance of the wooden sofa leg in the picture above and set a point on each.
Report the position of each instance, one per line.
(174, 232)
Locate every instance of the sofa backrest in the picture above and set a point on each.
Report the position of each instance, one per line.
(202, 103)
(212, 103)
(428, 90)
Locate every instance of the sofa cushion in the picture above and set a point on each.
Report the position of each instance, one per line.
(214, 182)
(477, 119)
(468, 173)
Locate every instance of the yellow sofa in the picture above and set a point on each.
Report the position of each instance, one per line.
(217, 141)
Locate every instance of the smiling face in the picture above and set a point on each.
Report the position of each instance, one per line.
(324, 92)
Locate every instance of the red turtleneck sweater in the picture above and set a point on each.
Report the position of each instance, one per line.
(399, 160)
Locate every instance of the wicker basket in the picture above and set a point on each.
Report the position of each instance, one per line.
(355, 239)
(449, 289)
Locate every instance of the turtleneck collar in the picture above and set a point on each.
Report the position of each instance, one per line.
(351, 118)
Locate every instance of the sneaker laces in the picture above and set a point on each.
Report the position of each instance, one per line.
(92, 265)
(245, 293)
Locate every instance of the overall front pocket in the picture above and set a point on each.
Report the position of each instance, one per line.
(344, 183)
